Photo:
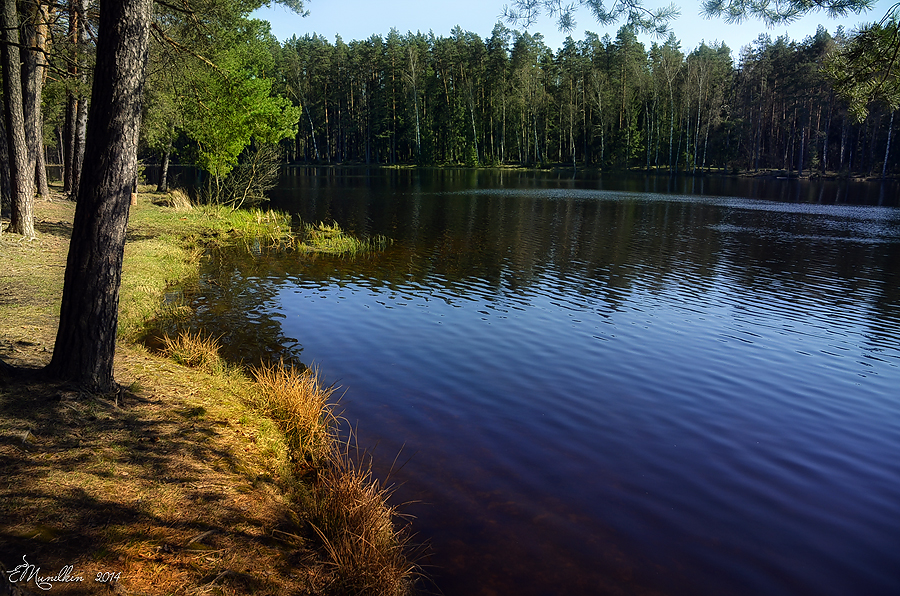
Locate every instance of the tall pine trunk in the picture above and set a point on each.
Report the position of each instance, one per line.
(43, 25)
(34, 66)
(5, 193)
(69, 140)
(81, 116)
(21, 177)
(71, 102)
(86, 340)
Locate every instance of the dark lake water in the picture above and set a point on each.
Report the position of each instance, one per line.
(605, 386)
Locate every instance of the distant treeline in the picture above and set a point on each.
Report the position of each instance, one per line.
(612, 103)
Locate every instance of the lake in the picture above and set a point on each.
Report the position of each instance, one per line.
(604, 385)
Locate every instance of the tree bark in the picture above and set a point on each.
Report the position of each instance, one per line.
(34, 66)
(21, 177)
(81, 113)
(71, 102)
(85, 342)
(887, 148)
(43, 185)
(69, 140)
(4, 162)
(163, 184)
(40, 169)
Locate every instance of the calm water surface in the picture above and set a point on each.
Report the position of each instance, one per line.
(659, 387)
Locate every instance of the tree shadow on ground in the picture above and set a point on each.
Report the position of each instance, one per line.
(150, 487)
(61, 229)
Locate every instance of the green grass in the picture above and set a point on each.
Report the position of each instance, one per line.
(193, 445)
(195, 351)
(165, 245)
(331, 239)
(292, 417)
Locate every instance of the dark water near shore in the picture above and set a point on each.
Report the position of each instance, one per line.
(625, 386)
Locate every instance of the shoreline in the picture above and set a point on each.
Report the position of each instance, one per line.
(766, 173)
(183, 481)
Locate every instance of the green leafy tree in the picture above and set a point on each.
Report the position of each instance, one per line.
(232, 104)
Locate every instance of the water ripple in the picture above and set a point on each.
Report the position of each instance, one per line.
(660, 394)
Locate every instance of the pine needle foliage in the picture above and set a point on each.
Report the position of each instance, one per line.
(867, 69)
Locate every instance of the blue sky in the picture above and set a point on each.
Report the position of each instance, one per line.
(360, 19)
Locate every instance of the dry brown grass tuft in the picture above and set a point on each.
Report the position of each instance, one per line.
(177, 199)
(195, 351)
(349, 511)
(346, 506)
(301, 408)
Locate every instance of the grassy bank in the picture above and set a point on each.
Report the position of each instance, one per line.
(197, 477)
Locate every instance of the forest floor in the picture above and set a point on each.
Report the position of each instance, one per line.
(172, 485)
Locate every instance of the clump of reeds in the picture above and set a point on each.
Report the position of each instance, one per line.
(331, 239)
(275, 226)
(349, 511)
(301, 407)
(346, 506)
(195, 351)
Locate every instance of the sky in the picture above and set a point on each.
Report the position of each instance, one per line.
(360, 19)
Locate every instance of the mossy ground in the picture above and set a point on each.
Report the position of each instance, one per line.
(175, 482)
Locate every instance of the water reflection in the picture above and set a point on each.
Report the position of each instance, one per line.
(606, 391)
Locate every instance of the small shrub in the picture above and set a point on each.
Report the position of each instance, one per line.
(248, 181)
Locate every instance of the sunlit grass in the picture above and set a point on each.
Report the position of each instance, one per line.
(331, 239)
(346, 506)
(176, 198)
(183, 452)
(300, 406)
(195, 350)
(294, 419)
(166, 216)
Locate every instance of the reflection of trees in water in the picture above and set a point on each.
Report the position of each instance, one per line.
(505, 245)
(236, 301)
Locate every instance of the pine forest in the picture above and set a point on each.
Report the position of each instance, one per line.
(222, 91)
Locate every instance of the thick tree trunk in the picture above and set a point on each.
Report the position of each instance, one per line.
(85, 342)
(21, 177)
